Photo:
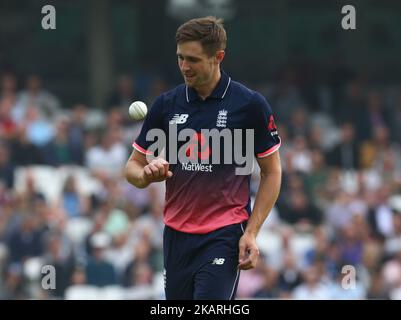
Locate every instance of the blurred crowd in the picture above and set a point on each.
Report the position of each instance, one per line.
(339, 208)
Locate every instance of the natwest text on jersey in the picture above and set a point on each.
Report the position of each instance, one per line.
(205, 147)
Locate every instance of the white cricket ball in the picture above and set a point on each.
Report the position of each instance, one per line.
(138, 110)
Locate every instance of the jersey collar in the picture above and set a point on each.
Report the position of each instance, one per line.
(219, 92)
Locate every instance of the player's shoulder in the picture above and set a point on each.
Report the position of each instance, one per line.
(252, 97)
(239, 89)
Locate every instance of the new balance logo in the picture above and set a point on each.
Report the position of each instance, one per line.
(218, 261)
(179, 118)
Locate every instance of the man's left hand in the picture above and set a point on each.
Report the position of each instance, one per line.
(248, 252)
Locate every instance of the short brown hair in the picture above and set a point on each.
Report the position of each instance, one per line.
(209, 31)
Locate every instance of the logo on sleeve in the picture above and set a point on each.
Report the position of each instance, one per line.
(272, 126)
(179, 118)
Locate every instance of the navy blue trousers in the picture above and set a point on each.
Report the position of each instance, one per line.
(202, 266)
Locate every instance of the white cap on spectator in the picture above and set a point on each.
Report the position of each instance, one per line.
(100, 240)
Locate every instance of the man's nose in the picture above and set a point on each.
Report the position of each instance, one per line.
(184, 65)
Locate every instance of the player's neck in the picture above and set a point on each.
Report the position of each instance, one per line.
(208, 88)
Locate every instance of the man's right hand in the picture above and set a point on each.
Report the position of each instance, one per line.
(157, 170)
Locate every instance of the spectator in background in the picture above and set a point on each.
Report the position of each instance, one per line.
(115, 118)
(58, 151)
(137, 200)
(99, 220)
(293, 182)
(380, 215)
(346, 154)
(313, 287)
(377, 113)
(289, 276)
(8, 86)
(317, 178)
(378, 151)
(351, 247)
(300, 157)
(71, 201)
(27, 239)
(30, 194)
(321, 249)
(391, 271)
(377, 289)
(143, 275)
(120, 254)
(270, 288)
(393, 242)
(59, 254)
(8, 127)
(251, 282)
(13, 287)
(78, 276)
(299, 123)
(107, 158)
(100, 272)
(300, 211)
(342, 208)
(48, 105)
(39, 131)
(23, 151)
(143, 256)
(9, 220)
(8, 98)
(316, 137)
(76, 133)
(338, 292)
(152, 218)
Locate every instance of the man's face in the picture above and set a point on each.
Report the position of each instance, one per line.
(196, 66)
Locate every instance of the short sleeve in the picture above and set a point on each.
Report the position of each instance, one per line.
(154, 120)
(267, 140)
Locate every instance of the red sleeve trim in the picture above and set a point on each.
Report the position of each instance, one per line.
(269, 151)
(140, 149)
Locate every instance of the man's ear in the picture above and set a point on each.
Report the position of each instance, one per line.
(220, 56)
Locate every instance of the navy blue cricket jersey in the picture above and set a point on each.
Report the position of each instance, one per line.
(201, 198)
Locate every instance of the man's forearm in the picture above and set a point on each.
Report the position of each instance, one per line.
(134, 174)
(266, 196)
